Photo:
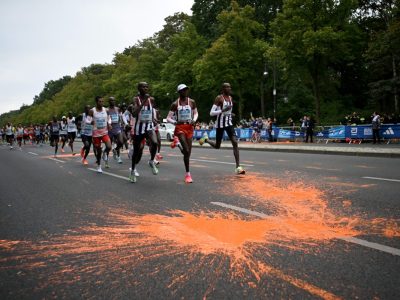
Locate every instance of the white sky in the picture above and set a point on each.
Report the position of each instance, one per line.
(43, 40)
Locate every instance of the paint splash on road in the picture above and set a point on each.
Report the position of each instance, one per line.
(180, 249)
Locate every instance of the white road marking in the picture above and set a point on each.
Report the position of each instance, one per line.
(110, 174)
(220, 162)
(33, 153)
(55, 159)
(353, 240)
(383, 179)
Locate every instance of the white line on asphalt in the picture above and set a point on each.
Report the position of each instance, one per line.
(383, 179)
(353, 240)
(33, 153)
(110, 174)
(55, 159)
(220, 162)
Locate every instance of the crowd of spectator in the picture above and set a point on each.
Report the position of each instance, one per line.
(357, 119)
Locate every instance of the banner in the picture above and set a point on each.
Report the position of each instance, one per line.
(341, 132)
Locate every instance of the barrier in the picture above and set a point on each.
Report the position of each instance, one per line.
(340, 132)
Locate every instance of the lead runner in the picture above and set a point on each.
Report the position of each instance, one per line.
(222, 109)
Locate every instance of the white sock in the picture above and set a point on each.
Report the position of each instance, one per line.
(187, 173)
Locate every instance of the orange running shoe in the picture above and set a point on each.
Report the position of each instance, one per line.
(85, 162)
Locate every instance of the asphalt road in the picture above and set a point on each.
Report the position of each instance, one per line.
(300, 226)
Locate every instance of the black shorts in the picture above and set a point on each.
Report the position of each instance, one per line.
(19, 138)
(72, 135)
(54, 137)
(9, 137)
(230, 131)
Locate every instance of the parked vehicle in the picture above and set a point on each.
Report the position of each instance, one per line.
(167, 131)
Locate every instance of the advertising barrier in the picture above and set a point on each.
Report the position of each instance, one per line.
(341, 132)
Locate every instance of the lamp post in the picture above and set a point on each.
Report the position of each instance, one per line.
(264, 75)
(274, 90)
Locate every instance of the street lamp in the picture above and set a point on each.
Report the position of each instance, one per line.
(274, 90)
(265, 73)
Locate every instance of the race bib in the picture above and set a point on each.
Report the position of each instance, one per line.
(184, 115)
(87, 130)
(146, 116)
(56, 129)
(101, 123)
(114, 118)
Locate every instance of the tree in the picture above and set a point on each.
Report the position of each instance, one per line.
(235, 57)
(50, 89)
(312, 36)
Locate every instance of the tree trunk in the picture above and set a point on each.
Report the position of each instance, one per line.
(240, 106)
(396, 100)
(317, 95)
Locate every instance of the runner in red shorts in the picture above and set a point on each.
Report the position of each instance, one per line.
(186, 114)
(101, 123)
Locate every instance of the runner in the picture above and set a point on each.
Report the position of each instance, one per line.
(222, 109)
(86, 134)
(63, 132)
(20, 135)
(143, 112)
(186, 116)
(26, 135)
(54, 126)
(37, 134)
(71, 129)
(116, 130)
(125, 125)
(101, 123)
(10, 135)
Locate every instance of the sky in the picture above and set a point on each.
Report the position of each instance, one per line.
(43, 40)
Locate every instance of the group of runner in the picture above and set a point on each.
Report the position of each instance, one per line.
(138, 123)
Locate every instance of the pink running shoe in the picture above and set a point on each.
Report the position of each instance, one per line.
(188, 179)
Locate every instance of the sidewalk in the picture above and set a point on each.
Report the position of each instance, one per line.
(382, 150)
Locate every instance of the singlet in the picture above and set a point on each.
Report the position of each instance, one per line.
(55, 128)
(225, 119)
(71, 125)
(63, 128)
(87, 127)
(20, 131)
(9, 130)
(144, 121)
(184, 112)
(115, 120)
(37, 131)
(100, 122)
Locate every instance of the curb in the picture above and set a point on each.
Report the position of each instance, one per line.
(292, 149)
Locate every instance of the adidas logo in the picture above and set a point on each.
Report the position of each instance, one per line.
(389, 131)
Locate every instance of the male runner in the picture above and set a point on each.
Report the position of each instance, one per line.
(63, 132)
(101, 123)
(10, 135)
(20, 135)
(143, 112)
(54, 134)
(116, 131)
(222, 109)
(186, 116)
(86, 134)
(71, 129)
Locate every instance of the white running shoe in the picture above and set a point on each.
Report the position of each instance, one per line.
(99, 170)
(119, 160)
(135, 172)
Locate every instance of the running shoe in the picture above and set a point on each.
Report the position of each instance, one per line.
(119, 160)
(106, 164)
(62, 150)
(85, 162)
(132, 177)
(82, 152)
(203, 139)
(156, 162)
(135, 172)
(159, 156)
(73, 153)
(104, 156)
(153, 167)
(175, 142)
(240, 171)
(188, 179)
(99, 170)
(11, 147)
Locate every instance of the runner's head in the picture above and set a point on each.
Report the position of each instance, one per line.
(99, 101)
(143, 88)
(87, 108)
(70, 114)
(111, 101)
(183, 90)
(226, 88)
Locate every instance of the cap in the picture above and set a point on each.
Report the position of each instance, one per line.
(181, 87)
(64, 117)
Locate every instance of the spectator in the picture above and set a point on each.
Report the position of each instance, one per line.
(269, 129)
(376, 126)
(303, 127)
(309, 129)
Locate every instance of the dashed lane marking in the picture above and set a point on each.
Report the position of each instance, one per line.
(110, 174)
(33, 153)
(353, 240)
(382, 179)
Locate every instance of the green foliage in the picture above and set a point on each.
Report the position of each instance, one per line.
(324, 57)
